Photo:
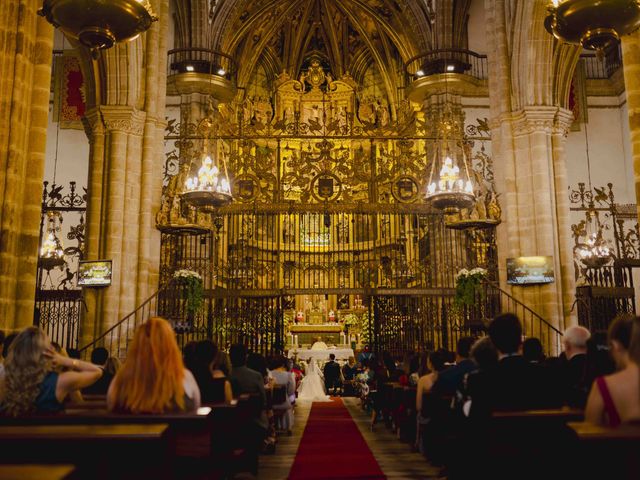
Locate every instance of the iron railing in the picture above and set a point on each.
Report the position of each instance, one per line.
(448, 60)
(596, 68)
(533, 325)
(422, 323)
(201, 60)
(401, 323)
(116, 339)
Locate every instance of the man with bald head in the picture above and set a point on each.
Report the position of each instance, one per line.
(576, 377)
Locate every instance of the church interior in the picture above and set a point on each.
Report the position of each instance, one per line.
(324, 239)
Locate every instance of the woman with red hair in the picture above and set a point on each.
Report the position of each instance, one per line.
(153, 378)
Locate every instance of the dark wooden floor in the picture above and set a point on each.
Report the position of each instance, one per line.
(395, 458)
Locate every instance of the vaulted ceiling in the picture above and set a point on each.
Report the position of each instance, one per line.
(349, 35)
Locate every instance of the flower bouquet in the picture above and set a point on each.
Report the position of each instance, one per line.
(192, 290)
(468, 284)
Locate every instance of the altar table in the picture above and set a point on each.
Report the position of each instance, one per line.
(342, 354)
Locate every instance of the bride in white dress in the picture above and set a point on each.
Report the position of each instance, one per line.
(312, 385)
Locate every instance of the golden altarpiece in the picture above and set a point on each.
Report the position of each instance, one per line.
(329, 234)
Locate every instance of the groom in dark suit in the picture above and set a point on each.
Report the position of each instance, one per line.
(332, 374)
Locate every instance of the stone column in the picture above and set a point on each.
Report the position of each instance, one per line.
(631, 66)
(25, 79)
(540, 220)
(125, 181)
(114, 210)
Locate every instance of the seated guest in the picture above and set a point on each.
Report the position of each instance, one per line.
(390, 364)
(221, 365)
(532, 351)
(436, 364)
(99, 356)
(5, 351)
(450, 379)
(189, 355)
(331, 372)
(350, 370)
(76, 395)
(153, 378)
(365, 355)
(212, 389)
(32, 382)
(615, 399)
(513, 384)
(281, 376)
(246, 380)
(485, 356)
(258, 363)
(575, 381)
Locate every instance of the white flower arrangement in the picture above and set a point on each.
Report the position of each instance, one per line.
(468, 285)
(192, 290)
(184, 273)
(462, 273)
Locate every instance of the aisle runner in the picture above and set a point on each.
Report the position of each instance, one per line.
(332, 447)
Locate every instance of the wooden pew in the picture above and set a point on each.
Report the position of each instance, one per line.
(607, 452)
(98, 451)
(38, 472)
(210, 439)
(517, 444)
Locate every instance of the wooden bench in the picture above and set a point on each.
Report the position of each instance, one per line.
(99, 451)
(516, 444)
(210, 438)
(38, 472)
(607, 452)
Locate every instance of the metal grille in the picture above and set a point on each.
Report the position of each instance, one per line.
(256, 266)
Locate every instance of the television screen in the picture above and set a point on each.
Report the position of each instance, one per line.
(530, 270)
(94, 273)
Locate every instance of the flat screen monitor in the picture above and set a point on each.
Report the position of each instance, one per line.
(94, 273)
(530, 270)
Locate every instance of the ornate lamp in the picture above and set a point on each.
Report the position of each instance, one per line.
(594, 24)
(450, 189)
(99, 24)
(52, 251)
(210, 189)
(594, 252)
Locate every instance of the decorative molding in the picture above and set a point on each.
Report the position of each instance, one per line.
(123, 119)
(532, 119)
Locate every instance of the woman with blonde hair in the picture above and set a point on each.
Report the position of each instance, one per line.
(153, 378)
(615, 399)
(38, 379)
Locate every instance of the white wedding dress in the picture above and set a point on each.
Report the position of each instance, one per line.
(312, 386)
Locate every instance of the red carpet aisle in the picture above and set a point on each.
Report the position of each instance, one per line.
(332, 447)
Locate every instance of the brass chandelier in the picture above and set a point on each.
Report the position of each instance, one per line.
(594, 252)
(52, 250)
(210, 188)
(99, 24)
(450, 187)
(594, 24)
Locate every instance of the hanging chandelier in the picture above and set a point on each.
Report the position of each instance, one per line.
(449, 187)
(594, 252)
(52, 250)
(593, 24)
(99, 24)
(209, 189)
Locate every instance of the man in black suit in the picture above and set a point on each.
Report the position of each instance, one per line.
(451, 379)
(332, 374)
(514, 384)
(575, 378)
(245, 380)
